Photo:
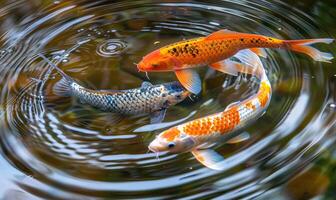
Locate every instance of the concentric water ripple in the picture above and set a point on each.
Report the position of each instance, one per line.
(111, 48)
(58, 144)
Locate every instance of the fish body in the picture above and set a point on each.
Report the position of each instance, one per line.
(198, 135)
(212, 50)
(147, 99)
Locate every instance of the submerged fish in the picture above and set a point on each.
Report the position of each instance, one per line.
(199, 135)
(215, 49)
(148, 99)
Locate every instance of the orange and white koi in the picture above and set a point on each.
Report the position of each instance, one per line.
(214, 49)
(199, 135)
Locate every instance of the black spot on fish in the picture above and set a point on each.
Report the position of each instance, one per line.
(172, 52)
(242, 39)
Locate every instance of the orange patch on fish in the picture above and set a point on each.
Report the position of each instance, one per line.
(249, 105)
(221, 124)
(263, 95)
(171, 134)
(197, 128)
(230, 120)
(203, 126)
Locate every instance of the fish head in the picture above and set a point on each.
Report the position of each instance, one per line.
(155, 61)
(174, 93)
(173, 141)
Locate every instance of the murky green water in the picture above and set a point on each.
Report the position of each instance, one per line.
(56, 148)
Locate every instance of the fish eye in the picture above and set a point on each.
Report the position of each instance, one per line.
(171, 145)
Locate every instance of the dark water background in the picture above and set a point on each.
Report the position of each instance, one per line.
(56, 148)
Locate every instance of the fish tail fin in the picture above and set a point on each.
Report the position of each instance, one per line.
(303, 46)
(62, 87)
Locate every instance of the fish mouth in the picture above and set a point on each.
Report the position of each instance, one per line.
(140, 69)
(152, 149)
(141, 66)
(156, 147)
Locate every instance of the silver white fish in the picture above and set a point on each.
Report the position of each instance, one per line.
(147, 99)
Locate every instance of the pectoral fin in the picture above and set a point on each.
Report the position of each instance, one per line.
(157, 116)
(259, 51)
(190, 80)
(249, 58)
(226, 66)
(240, 138)
(208, 158)
(232, 67)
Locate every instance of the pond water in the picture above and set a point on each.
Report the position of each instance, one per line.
(54, 147)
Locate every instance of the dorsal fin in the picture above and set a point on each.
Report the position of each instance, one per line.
(146, 84)
(259, 51)
(221, 34)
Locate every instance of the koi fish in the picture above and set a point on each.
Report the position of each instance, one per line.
(199, 135)
(148, 99)
(215, 49)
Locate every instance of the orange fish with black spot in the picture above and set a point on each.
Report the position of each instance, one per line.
(198, 136)
(215, 50)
